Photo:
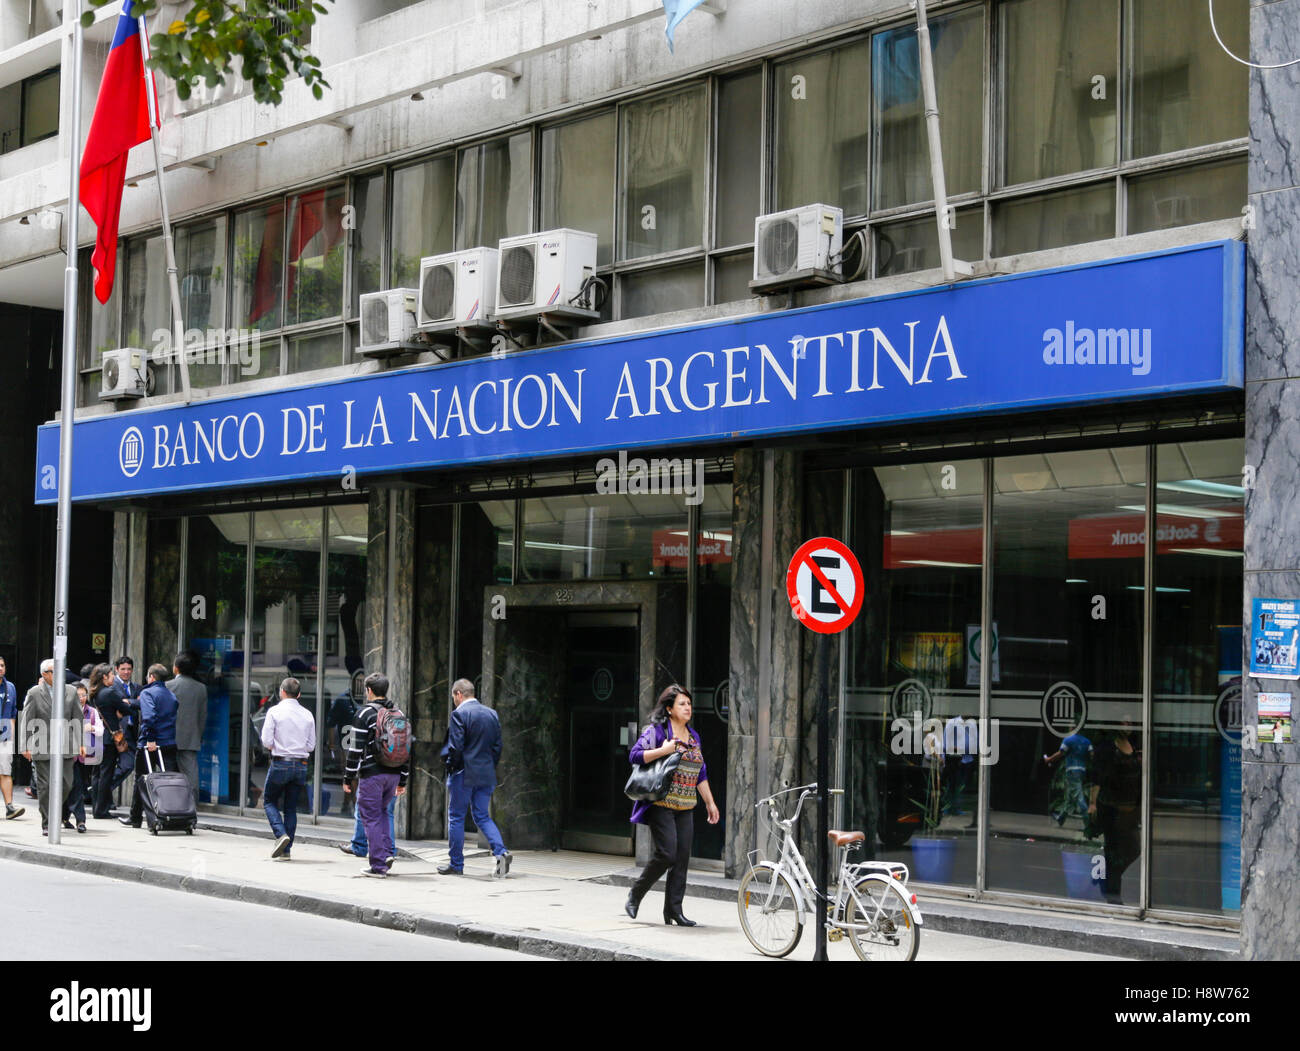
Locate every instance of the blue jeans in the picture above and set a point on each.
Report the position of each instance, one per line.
(359, 845)
(476, 800)
(286, 783)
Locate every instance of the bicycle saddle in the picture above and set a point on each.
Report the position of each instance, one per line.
(843, 839)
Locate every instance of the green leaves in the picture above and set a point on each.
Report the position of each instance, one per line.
(262, 40)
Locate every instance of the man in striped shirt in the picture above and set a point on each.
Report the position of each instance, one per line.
(374, 783)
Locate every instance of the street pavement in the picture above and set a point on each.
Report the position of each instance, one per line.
(547, 905)
(61, 915)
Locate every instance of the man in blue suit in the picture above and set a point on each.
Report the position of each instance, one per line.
(472, 752)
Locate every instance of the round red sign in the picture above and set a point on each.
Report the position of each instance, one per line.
(824, 584)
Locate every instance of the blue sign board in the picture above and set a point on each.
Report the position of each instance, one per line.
(1136, 327)
(1274, 638)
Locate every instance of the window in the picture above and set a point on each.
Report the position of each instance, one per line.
(1186, 195)
(258, 267)
(902, 153)
(739, 159)
(494, 191)
(29, 111)
(424, 207)
(578, 162)
(147, 306)
(663, 181)
(821, 129)
(1034, 224)
(367, 238)
(1059, 91)
(313, 277)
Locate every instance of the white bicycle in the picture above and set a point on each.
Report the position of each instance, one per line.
(871, 902)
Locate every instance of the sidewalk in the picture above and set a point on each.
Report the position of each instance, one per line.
(565, 904)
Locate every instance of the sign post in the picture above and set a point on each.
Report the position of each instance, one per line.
(824, 585)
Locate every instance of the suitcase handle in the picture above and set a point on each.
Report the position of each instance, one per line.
(148, 760)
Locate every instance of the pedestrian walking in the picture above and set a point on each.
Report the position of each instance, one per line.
(289, 734)
(92, 753)
(359, 846)
(671, 819)
(472, 752)
(377, 766)
(119, 738)
(8, 733)
(158, 707)
(191, 716)
(36, 731)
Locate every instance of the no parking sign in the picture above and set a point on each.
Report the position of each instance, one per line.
(824, 583)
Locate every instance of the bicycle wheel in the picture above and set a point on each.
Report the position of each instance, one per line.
(770, 914)
(887, 931)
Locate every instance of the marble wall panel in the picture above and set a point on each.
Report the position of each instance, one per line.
(1270, 860)
(376, 579)
(163, 589)
(1272, 273)
(117, 614)
(137, 591)
(1274, 117)
(430, 683)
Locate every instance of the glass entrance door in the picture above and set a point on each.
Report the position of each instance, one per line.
(600, 714)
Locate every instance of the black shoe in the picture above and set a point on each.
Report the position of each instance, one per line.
(447, 870)
(67, 824)
(672, 916)
(81, 827)
(128, 822)
(631, 905)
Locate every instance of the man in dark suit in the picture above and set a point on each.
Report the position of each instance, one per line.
(191, 717)
(472, 752)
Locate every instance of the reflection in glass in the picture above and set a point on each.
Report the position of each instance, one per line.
(740, 159)
(315, 352)
(424, 208)
(1065, 792)
(1060, 90)
(1188, 195)
(659, 291)
(731, 276)
(902, 155)
(592, 536)
(148, 312)
(663, 173)
(215, 574)
(314, 272)
(712, 686)
(259, 267)
(494, 191)
(578, 162)
(1196, 758)
(284, 633)
(821, 130)
(918, 534)
(1185, 90)
(367, 266)
(913, 244)
(201, 260)
(343, 646)
(1051, 220)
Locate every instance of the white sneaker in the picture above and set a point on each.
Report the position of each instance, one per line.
(281, 845)
(502, 865)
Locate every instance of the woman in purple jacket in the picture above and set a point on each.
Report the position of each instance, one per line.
(671, 819)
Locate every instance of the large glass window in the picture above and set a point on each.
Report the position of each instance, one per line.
(902, 152)
(1196, 749)
(664, 165)
(314, 270)
(822, 120)
(1186, 195)
(712, 685)
(1060, 95)
(201, 260)
(1051, 220)
(601, 536)
(147, 307)
(1065, 793)
(259, 268)
(1184, 90)
(660, 291)
(739, 158)
(918, 534)
(494, 191)
(367, 238)
(578, 162)
(913, 244)
(215, 589)
(40, 107)
(424, 210)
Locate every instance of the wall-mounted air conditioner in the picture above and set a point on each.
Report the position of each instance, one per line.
(798, 246)
(547, 273)
(387, 323)
(457, 290)
(126, 374)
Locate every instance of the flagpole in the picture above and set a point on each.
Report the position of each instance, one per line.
(67, 406)
(154, 120)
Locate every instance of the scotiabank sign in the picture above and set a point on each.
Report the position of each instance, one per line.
(671, 549)
(1124, 536)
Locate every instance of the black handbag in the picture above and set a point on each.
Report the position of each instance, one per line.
(650, 782)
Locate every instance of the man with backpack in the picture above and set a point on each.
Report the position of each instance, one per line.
(471, 753)
(377, 767)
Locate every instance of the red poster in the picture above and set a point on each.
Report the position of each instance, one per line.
(669, 548)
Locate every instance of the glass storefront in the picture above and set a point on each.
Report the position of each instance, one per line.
(1073, 746)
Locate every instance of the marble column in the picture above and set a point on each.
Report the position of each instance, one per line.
(430, 682)
(136, 591)
(162, 586)
(1270, 864)
(766, 728)
(117, 616)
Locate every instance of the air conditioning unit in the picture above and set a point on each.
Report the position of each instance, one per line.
(457, 290)
(799, 246)
(387, 322)
(126, 374)
(545, 273)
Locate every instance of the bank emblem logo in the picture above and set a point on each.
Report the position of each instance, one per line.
(602, 684)
(910, 697)
(1065, 709)
(130, 452)
(1227, 712)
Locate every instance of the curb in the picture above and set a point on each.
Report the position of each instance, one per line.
(532, 942)
(315, 837)
(1050, 931)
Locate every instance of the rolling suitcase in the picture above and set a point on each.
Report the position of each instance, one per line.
(167, 799)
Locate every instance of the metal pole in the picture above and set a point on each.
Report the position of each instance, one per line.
(67, 406)
(936, 149)
(823, 792)
(178, 325)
